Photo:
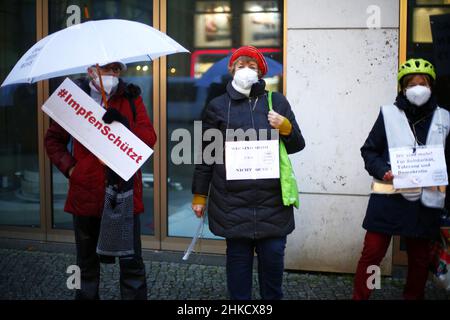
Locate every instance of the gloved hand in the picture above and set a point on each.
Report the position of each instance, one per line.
(114, 115)
(113, 178)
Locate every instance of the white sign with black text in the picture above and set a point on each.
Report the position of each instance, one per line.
(422, 166)
(252, 159)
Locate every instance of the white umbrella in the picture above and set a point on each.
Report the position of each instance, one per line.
(74, 49)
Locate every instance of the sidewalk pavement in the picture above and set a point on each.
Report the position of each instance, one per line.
(30, 271)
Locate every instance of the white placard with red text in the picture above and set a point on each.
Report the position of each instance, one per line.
(81, 117)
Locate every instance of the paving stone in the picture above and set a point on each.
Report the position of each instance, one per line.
(26, 274)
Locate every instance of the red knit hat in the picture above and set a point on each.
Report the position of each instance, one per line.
(251, 52)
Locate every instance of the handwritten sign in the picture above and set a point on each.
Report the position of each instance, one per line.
(252, 160)
(423, 166)
(81, 117)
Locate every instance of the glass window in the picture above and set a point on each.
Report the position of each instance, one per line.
(19, 169)
(421, 45)
(421, 32)
(261, 24)
(140, 74)
(212, 24)
(219, 27)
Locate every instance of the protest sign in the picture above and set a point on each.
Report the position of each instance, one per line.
(252, 159)
(81, 117)
(422, 166)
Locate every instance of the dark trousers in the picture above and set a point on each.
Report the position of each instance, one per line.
(133, 285)
(375, 247)
(270, 253)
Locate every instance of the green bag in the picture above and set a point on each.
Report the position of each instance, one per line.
(289, 189)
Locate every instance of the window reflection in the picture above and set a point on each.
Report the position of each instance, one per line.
(421, 23)
(193, 80)
(261, 24)
(420, 41)
(19, 169)
(212, 24)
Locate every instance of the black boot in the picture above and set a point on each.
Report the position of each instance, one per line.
(133, 284)
(86, 235)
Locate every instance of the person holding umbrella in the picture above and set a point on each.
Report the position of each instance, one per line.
(88, 178)
(413, 121)
(250, 214)
(103, 205)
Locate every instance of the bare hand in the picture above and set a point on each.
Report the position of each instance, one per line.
(388, 176)
(275, 119)
(199, 209)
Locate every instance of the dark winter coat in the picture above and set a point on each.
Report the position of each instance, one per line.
(251, 209)
(393, 214)
(87, 183)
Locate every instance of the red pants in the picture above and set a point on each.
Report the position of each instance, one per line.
(375, 247)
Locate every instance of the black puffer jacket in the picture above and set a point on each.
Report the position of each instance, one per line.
(393, 214)
(251, 209)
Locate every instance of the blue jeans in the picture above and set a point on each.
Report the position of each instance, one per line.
(270, 253)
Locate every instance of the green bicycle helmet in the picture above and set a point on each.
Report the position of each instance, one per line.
(416, 66)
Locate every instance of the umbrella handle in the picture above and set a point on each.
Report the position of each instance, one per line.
(105, 101)
(86, 12)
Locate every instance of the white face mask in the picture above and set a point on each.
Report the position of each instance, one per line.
(110, 83)
(418, 95)
(245, 78)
